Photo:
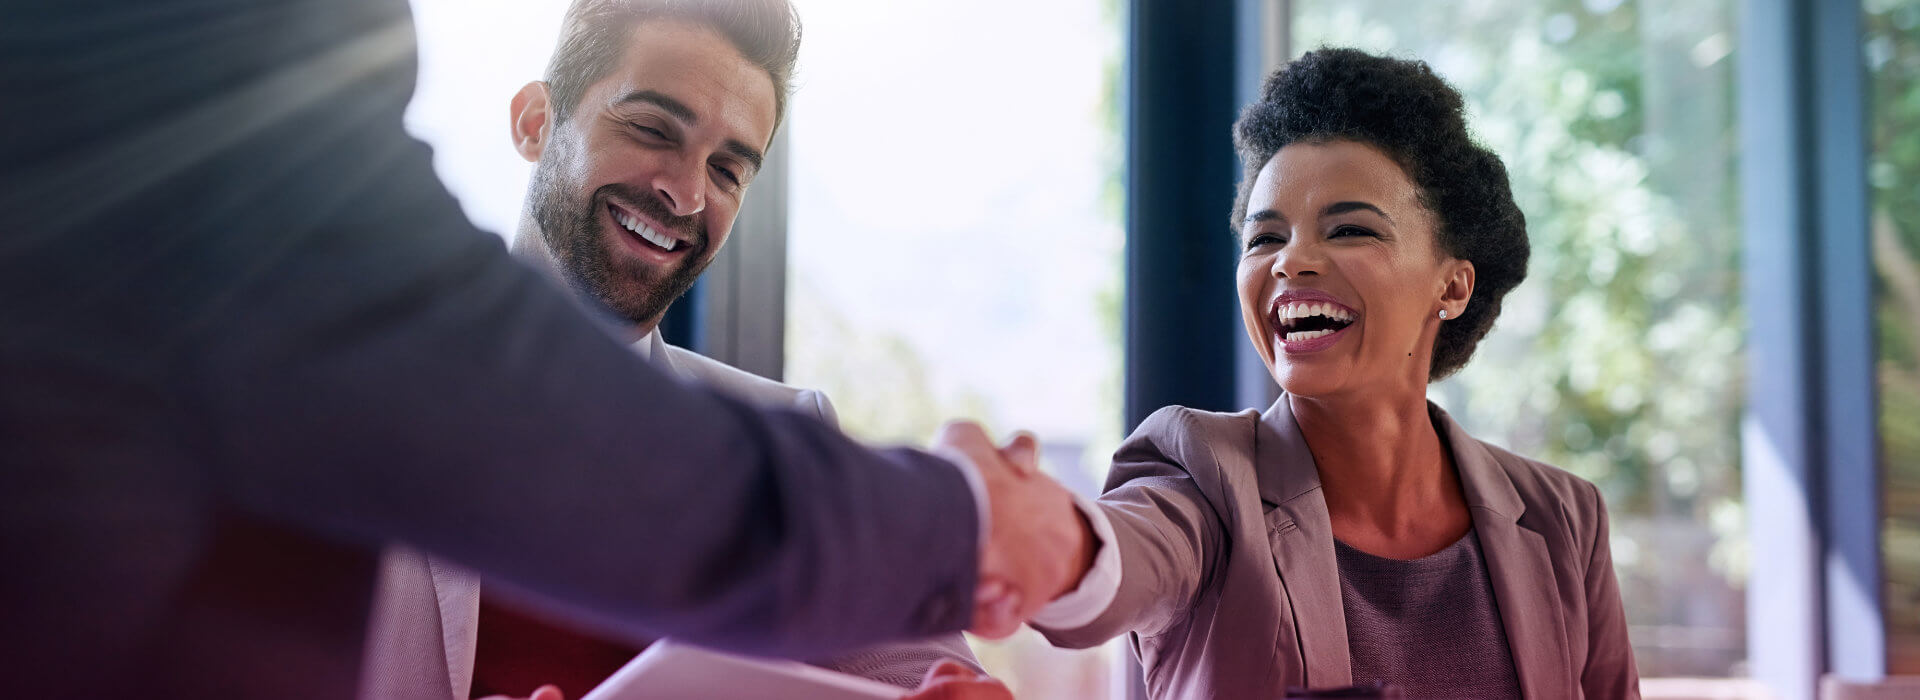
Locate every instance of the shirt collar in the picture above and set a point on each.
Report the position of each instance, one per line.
(649, 346)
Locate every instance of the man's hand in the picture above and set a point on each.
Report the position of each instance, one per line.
(1038, 544)
(951, 680)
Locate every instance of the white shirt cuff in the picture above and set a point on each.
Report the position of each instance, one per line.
(1079, 607)
(982, 505)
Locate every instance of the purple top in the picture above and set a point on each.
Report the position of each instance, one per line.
(1429, 626)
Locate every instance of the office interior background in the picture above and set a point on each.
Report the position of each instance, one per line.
(1015, 211)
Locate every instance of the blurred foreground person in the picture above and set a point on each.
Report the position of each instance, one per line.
(649, 129)
(1353, 533)
(246, 339)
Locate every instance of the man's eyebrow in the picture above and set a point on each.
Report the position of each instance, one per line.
(745, 152)
(672, 106)
(1349, 207)
(680, 111)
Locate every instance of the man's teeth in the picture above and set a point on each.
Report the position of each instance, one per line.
(1298, 336)
(644, 231)
(1299, 310)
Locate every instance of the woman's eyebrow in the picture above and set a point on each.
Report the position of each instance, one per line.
(1262, 215)
(1349, 207)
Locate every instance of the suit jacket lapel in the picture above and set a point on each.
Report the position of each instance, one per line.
(1300, 535)
(1518, 565)
(457, 592)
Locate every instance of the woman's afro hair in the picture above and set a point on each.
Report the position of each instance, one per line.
(1403, 109)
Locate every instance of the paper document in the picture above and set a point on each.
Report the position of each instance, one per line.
(671, 671)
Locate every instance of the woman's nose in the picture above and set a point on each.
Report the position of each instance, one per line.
(1297, 259)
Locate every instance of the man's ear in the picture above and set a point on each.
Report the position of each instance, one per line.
(532, 120)
(1457, 288)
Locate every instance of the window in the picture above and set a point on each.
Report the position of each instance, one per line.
(1619, 359)
(955, 239)
(1893, 175)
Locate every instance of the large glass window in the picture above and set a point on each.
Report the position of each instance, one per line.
(955, 239)
(1892, 46)
(1619, 359)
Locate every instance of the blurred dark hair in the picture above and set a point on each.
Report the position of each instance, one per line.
(595, 33)
(1403, 109)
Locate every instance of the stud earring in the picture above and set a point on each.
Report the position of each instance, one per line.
(1443, 314)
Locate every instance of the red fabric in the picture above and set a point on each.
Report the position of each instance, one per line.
(517, 652)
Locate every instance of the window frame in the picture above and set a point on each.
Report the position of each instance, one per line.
(1810, 431)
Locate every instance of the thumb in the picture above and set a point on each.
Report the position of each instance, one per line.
(547, 692)
(1024, 451)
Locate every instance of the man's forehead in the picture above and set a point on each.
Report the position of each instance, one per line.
(696, 75)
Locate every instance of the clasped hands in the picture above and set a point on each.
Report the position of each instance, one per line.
(1038, 545)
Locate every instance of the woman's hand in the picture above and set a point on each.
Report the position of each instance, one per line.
(952, 680)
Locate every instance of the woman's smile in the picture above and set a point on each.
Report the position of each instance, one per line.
(1307, 321)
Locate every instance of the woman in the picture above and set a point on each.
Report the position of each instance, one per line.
(1353, 533)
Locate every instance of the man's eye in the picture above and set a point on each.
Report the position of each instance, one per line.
(727, 175)
(650, 131)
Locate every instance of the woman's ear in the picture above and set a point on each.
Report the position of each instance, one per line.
(1457, 287)
(532, 120)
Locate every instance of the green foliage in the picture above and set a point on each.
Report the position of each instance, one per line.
(1892, 52)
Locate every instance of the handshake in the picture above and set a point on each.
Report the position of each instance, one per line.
(1038, 545)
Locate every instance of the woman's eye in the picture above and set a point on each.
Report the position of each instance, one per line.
(1263, 239)
(1350, 231)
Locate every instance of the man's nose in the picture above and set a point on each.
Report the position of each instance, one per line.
(683, 187)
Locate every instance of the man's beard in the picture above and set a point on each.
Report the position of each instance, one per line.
(574, 233)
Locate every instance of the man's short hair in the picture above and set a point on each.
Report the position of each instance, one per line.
(594, 35)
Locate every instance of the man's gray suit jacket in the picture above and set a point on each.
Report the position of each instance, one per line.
(246, 338)
(426, 612)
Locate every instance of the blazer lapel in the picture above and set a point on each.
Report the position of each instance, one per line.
(1517, 564)
(457, 592)
(1300, 535)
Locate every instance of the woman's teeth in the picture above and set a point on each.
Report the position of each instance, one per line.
(1299, 310)
(643, 231)
(1298, 336)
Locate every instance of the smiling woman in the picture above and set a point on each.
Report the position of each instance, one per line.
(1449, 187)
(1378, 242)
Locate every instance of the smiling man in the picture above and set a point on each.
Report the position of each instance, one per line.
(652, 123)
(640, 173)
